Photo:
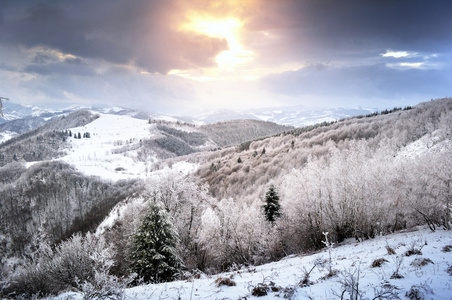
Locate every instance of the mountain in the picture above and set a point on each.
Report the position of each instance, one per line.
(361, 178)
(19, 119)
(296, 116)
(13, 111)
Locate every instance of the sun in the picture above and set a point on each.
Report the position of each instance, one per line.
(228, 29)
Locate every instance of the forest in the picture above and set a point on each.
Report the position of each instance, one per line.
(254, 202)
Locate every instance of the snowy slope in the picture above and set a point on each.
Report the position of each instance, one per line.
(350, 261)
(111, 151)
(430, 143)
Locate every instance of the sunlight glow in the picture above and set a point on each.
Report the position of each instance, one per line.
(227, 29)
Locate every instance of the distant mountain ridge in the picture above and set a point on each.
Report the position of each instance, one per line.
(19, 118)
(296, 116)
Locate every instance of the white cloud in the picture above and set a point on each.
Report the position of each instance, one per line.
(406, 65)
(398, 54)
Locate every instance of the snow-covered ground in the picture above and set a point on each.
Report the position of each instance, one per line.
(111, 151)
(428, 144)
(7, 135)
(428, 272)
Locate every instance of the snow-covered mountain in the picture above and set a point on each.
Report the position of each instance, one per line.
(388, 171)
(297, 116)
(19, 118)
(13, 111)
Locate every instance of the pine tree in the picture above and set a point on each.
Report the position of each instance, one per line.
(153, 251)
(271, 207)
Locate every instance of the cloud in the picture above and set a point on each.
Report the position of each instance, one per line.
(120, 52)
(398, 54)
(140, 33)
(322, 31)
(362, 83)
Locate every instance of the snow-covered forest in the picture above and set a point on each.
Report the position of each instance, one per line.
(130, 202)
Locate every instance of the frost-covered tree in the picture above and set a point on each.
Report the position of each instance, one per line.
(153, 251)
(228, 238)
(271, 207)
(1, 105)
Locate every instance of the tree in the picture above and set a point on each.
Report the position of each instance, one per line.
(271, 207)
(153, 251)
(1, 105)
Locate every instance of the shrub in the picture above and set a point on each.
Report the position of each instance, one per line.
(225, 281)
(449, 270)
(76, 263)
(390, 250)
(418, 292)
(413, 249)
(420, 262)
(261, 289)
(447, 248)
(378, 262)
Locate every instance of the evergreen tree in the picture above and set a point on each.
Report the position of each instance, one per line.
(271, 207)
(153, 251)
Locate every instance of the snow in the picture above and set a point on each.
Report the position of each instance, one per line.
(7, 135)
(111, 151)
(347, 259)
(427, 144)
(103, 154)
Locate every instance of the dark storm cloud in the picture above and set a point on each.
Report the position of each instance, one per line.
(117, 31)
(328, 29)
(67, 67)
(363, 82)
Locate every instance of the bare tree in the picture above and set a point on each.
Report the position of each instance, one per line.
(1, 105)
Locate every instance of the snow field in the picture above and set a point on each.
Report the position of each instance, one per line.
(110, 152)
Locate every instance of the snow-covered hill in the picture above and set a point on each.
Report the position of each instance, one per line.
(19, 118)
(112, 149)
(420, 267)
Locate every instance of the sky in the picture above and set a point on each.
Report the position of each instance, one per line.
(189, 56)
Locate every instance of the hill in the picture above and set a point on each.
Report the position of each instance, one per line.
(367, 270)
(361, 178)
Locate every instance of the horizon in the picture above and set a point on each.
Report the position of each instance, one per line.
(184, 57)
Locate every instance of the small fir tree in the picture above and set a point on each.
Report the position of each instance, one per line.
(153, 252)
(271, 207)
